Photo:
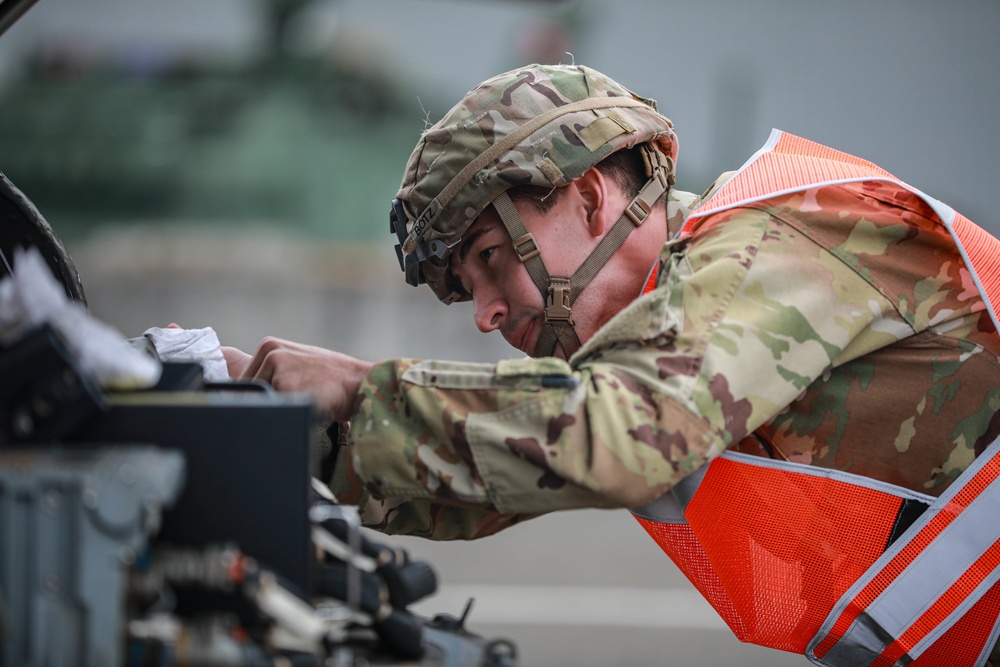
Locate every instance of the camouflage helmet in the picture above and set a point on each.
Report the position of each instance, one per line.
(536, 125)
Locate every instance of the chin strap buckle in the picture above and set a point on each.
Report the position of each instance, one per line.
(558, 307)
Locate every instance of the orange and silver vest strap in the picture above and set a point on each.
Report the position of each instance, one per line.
(940, 576)
(845, 569)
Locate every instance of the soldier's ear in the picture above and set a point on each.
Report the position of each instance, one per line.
(593, 189)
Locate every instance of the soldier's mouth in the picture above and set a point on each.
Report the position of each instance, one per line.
(522, 340)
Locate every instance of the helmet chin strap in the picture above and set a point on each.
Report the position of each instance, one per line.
(561, 292)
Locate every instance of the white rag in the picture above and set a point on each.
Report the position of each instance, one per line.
(191, 345)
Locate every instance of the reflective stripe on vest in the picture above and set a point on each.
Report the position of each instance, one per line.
(924, 583)
(825, 563)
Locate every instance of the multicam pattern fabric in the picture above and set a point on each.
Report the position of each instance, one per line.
(537, 125)
(836, 327)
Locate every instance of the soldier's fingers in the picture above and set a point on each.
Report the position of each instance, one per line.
(254, 368)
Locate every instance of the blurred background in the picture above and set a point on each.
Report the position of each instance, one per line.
(230, 164)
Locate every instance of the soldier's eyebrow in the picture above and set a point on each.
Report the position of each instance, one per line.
(463, 251)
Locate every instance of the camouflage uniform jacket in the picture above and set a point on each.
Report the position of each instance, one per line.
(838, 329)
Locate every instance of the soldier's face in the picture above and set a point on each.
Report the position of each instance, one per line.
(503, 295)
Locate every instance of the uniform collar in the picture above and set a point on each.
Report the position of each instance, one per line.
(680, 204)
(679, 207)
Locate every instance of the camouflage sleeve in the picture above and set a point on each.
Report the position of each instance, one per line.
(726, 341)
(437, 519)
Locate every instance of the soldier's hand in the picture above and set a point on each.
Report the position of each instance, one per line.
(236, 361)
(331, 377)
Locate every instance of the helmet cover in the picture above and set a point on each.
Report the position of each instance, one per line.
(537, 125)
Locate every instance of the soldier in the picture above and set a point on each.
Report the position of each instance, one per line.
(809, 325)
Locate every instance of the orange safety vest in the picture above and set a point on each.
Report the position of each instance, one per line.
(845, 569)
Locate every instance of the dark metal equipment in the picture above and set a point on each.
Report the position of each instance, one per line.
(247, 481)
(183, 524)
(71, 521)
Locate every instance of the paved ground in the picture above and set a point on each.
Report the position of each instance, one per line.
(584, 588)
